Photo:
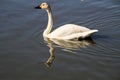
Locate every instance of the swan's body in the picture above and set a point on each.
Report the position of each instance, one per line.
(65, 32)
(71, 31)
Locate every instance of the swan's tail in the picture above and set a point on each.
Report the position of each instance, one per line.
(88, 33)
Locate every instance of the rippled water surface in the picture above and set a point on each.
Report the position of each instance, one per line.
(24, 55)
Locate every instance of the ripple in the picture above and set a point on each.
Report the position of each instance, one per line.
(23, 47)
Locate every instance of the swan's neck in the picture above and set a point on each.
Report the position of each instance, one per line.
(50, 22)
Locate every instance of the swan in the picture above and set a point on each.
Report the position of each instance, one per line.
(65, 32)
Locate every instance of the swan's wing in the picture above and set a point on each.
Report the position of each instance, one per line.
(80, 35)
(67, 30)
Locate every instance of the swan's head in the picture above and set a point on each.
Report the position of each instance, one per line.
(42, 6)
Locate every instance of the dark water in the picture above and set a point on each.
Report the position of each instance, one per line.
(23, 50)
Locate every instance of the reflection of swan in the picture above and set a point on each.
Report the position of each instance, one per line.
(72, 44)
(52, 56)
(65, 32)
(66, 44)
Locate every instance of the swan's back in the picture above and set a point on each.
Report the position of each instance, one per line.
(69, 31)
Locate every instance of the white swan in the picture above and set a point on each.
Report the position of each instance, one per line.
(65, 32)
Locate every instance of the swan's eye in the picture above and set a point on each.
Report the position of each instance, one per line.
(43, 4)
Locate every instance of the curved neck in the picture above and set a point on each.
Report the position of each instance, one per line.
(50, 22)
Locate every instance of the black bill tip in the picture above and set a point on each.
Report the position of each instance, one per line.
(37, 7)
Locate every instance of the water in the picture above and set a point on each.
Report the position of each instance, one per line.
(23, 51)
